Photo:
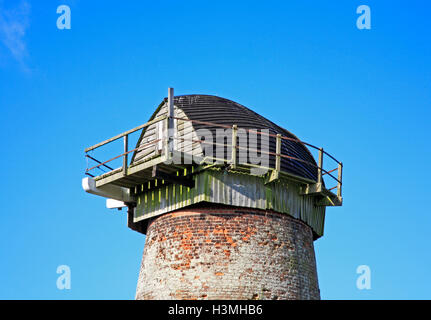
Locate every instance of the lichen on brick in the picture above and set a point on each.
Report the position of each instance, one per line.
(200, 253)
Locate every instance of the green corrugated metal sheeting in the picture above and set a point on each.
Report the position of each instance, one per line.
(236, 189)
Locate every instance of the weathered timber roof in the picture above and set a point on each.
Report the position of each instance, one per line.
(226, 112)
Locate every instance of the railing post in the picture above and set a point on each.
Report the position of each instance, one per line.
(278, 155)
(166, 138)
(170, 119)
(340, 178)
(320, 166)
(125, 140)
(234, 145)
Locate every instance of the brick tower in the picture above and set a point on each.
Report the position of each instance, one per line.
(230, 202)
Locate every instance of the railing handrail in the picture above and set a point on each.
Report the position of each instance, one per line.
(118, 136)
(278, 154)
(266, 152)
(257, 132)
(123, 154)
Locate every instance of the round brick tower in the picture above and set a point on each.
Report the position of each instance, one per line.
(230, 202)
(228, 253)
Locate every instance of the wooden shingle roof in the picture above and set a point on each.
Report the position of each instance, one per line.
(222, 111)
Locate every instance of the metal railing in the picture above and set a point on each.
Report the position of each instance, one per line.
(169, 137)
(126, 151)
(278, 155)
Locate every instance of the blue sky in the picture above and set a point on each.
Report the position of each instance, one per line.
(364, 95)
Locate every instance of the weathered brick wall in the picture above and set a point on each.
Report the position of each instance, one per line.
(228, 253)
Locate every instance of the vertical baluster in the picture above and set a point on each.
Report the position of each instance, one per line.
(125, 140)
(234, 145)
(319, 169)
(278, 157)
(340, 178)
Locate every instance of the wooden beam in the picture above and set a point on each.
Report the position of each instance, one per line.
(330, 202)
(234, 145)
(126, 147)
(271, 176)
(185, 181)
(170, 119)
(320, 166)
(316, 189)
(325, 197)
(278, 155)
(340, 179)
